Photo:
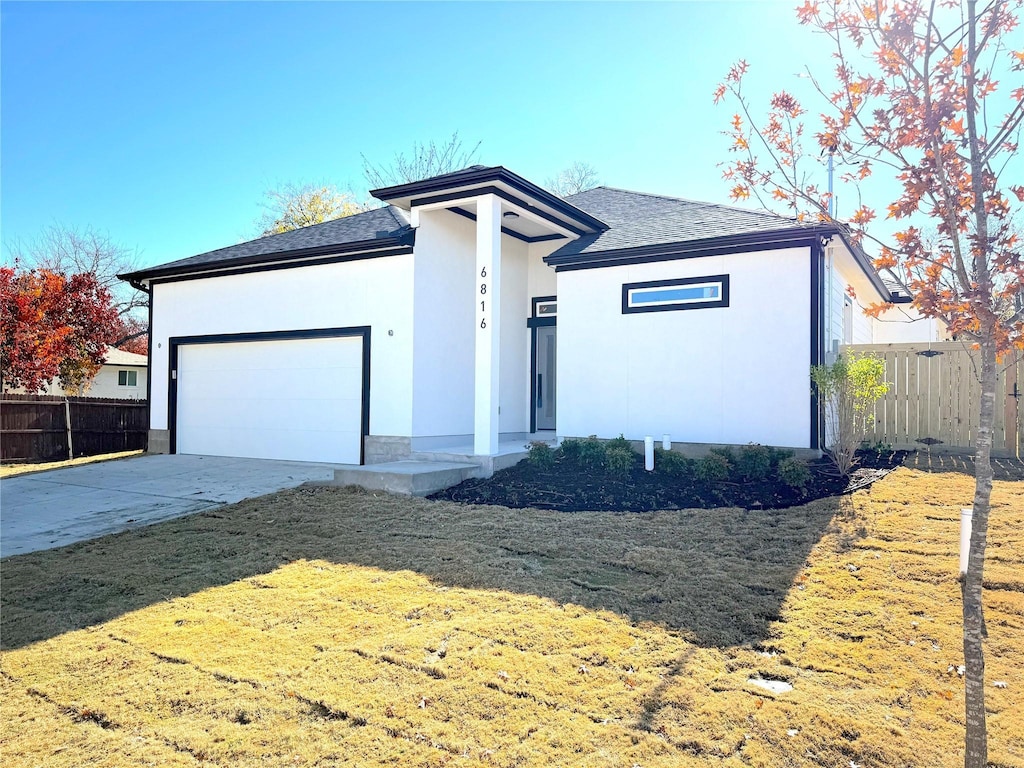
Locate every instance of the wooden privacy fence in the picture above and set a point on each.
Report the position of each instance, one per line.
(49, 427)
(933, 398)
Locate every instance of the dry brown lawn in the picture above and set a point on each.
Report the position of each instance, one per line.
(338, 627)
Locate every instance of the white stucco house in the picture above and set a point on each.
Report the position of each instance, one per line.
(476, 306)
(123, 376)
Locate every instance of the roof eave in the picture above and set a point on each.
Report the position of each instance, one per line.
(406, 238)
(864, 262)
(705, 246)
(483, 176)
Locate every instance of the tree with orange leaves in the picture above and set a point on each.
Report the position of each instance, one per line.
(53, 326)
(917, 93)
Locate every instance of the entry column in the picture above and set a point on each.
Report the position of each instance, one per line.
(488, 324)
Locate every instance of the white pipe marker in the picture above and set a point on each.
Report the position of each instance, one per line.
(966, 515)
(648, 453)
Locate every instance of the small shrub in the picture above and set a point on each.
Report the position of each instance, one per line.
(672, 463)
(541, 455)
(569, 452)
(714, 467)
(592, 453)
(726, 453)
(794, 472)
(617, 444)
(848, 390)
(754, 463)
(620, 459)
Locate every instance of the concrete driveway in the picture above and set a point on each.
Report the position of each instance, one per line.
(51, 509)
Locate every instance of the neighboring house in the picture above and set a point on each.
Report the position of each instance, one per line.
(477, 305)
(123, 376)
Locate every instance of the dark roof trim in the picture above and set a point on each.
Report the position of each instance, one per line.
(336, 259)
(294, 258)
(864, 261)
(510, 232)
(755, 241)
(482, 176)
(498, 192)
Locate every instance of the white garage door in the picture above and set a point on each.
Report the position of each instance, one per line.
(296, 399)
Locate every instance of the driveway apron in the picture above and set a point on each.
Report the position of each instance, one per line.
(62, 506)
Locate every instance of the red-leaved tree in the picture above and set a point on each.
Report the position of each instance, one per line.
(929, 93)
(53, 326)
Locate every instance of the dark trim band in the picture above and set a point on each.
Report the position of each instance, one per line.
(471, 177)
(505, 230)
(758, 241)
(817, 339)
(407, 239)
(541, 322)
(175, 342)
(497, 192)
(284, 265)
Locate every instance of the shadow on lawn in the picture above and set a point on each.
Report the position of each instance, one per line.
(719, 576)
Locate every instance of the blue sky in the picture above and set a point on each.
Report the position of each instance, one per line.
(163, 124)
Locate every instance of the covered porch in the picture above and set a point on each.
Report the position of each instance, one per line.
(500, 226)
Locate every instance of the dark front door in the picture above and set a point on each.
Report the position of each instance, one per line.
(544, 385)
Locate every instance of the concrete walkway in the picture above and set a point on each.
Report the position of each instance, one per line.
(51, 509)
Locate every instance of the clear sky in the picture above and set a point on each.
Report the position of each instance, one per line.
(162, 124)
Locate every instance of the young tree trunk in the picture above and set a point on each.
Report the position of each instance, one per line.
(976, 752)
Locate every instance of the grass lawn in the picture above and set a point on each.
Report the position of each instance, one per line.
(338, 627)
(10, 470)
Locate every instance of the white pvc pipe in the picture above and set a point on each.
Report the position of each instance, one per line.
(966, 515)
(648, 453)
(666, 442)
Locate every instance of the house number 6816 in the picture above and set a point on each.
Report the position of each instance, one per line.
(483, 292)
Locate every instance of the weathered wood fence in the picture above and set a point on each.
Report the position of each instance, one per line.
(933, 398)
(50, 427)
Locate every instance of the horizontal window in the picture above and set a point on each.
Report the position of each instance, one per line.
(683, 293)
(127, 378)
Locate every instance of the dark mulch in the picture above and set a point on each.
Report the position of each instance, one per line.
(569, 489)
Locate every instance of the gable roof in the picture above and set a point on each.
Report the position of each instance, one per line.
(483, 178)
(619, 226)
(374, 229)
(115, 356)
(638, 219)
(645, 227)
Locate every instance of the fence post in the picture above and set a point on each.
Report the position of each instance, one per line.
(67, 422)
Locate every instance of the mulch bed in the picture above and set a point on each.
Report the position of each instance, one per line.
(568, 489)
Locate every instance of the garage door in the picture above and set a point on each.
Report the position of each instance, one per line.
(294, 399)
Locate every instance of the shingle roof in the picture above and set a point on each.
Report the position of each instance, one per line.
(115, 356)
(377, 224)
(638, 219)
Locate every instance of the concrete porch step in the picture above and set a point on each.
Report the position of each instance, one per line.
(416, 478)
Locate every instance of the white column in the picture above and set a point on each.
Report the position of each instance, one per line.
(488, 323)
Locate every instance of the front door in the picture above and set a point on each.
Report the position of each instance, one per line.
(544, 384)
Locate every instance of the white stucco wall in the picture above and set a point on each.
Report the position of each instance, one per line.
(723, 375)
(444, 346)
(515, 337)
(375, 292)
(443, 311)
(103, 385)
(903, 324)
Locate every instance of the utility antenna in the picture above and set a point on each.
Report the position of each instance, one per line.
(831, 196)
